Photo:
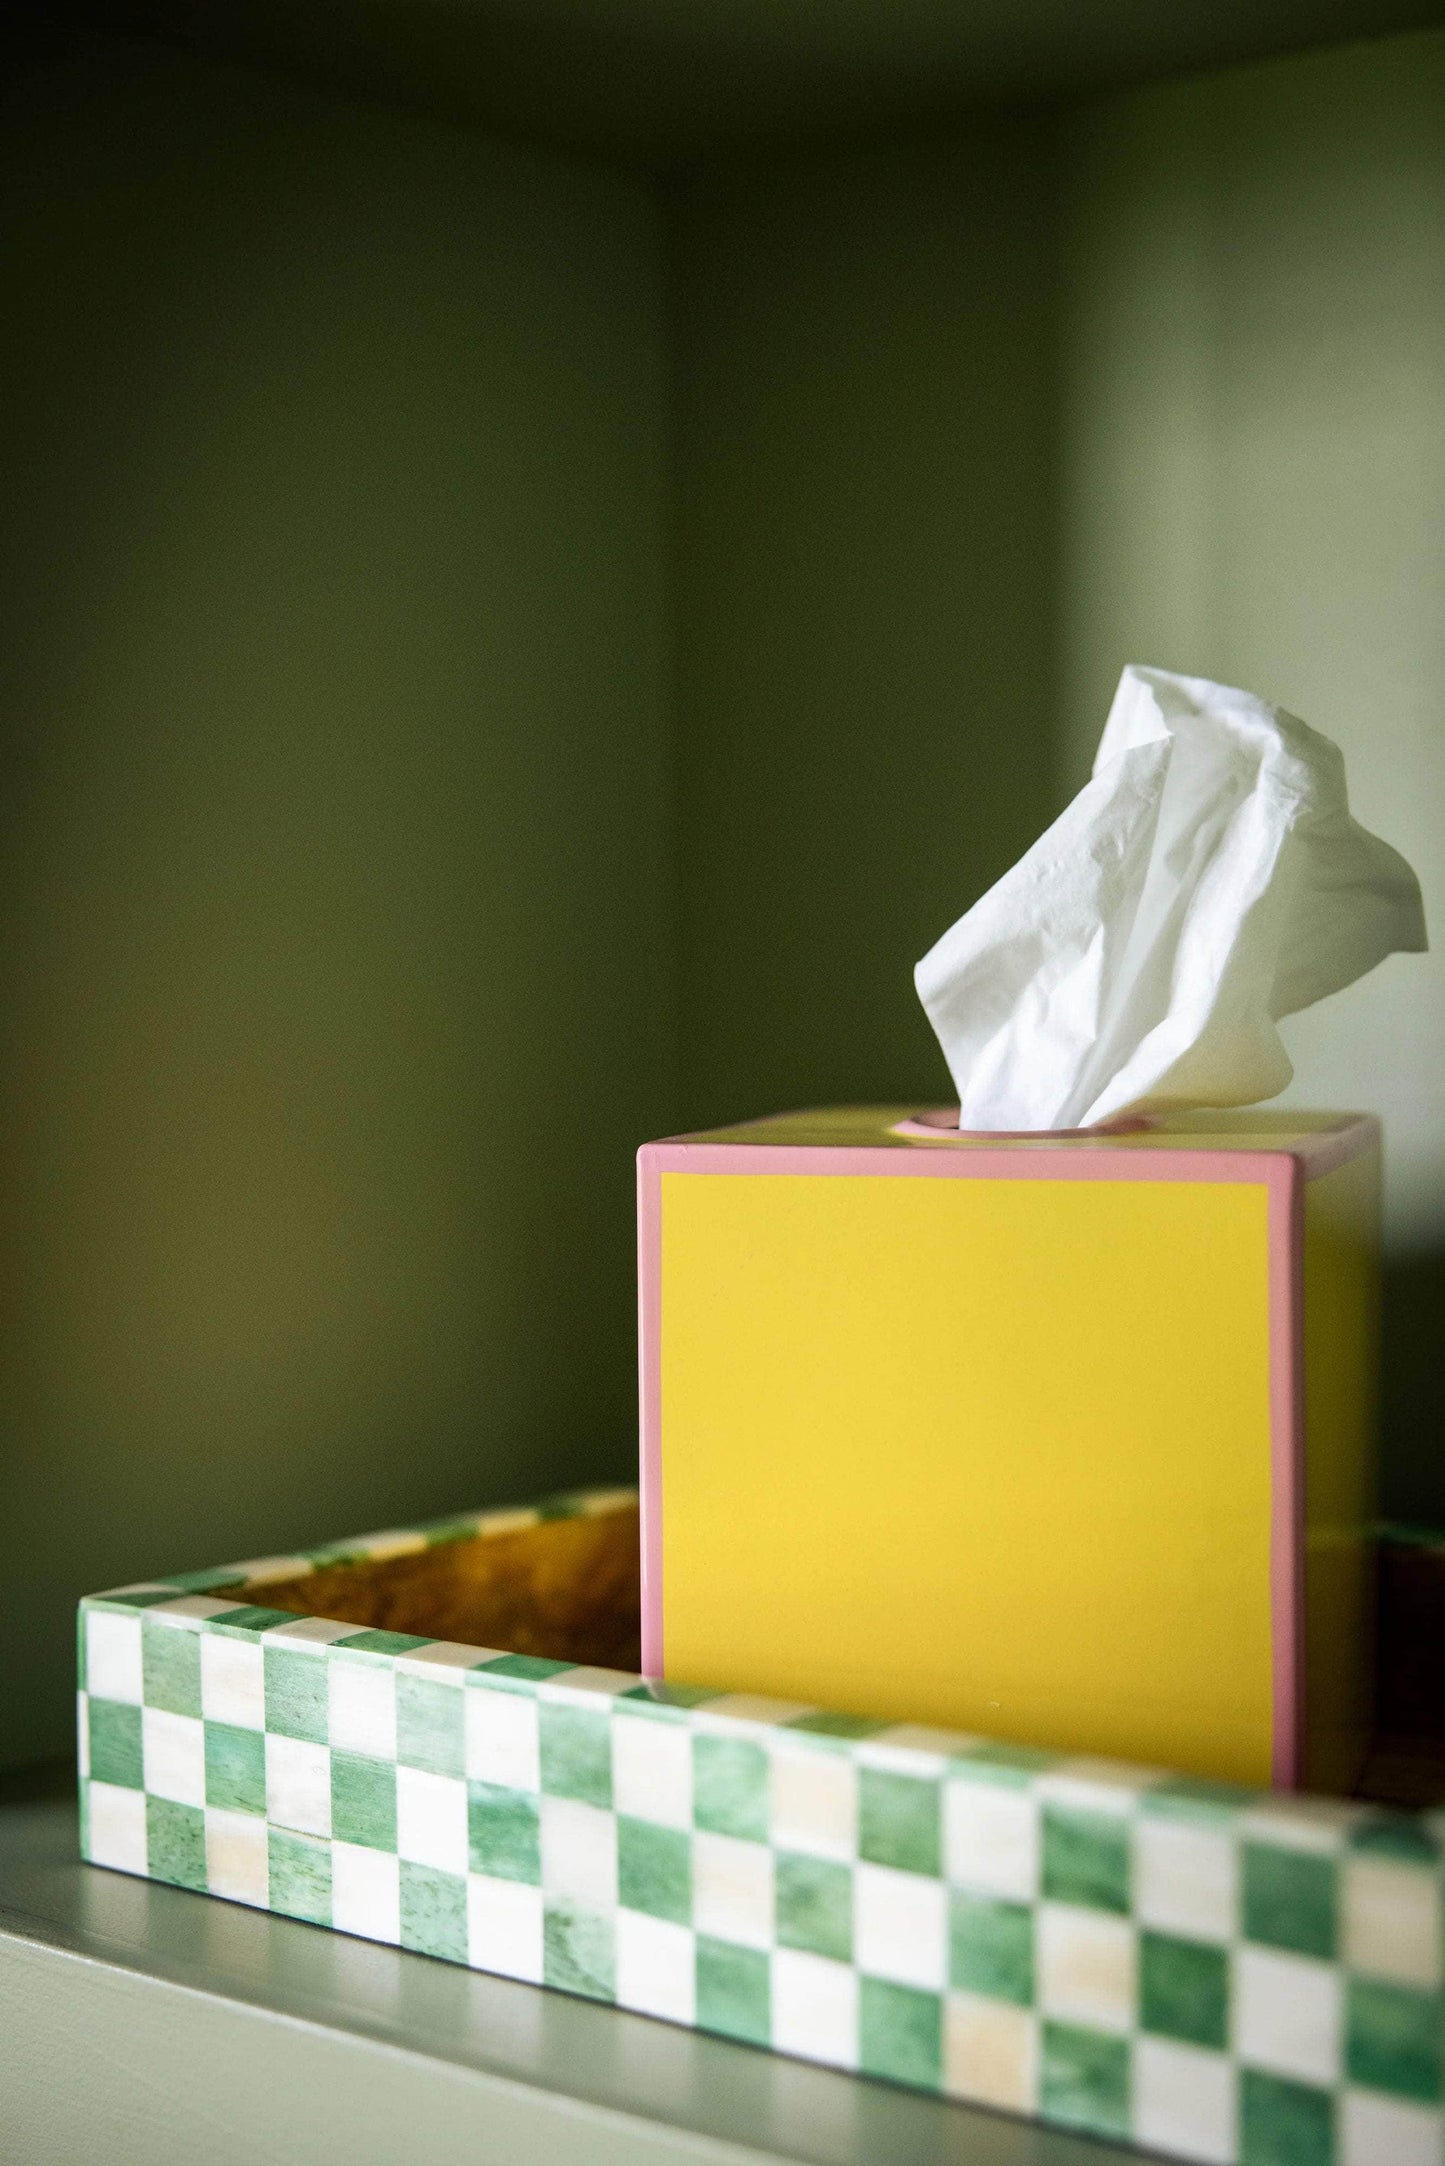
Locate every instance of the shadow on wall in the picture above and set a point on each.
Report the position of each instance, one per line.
(1412, 1354)
(333, 865)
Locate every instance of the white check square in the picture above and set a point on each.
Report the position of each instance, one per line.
(117, 1820)
(732, 1889)
(655, 1967)
(815, 2008)
(579, 1853)
(504, 1927)
(1287, 2014)
(173, 1749)
(365, 1892)
(362, 1705)
(233, 1681)
(652, 1769)
(237, 1864)
(1086, 1961)
(298, 1785)
(814, 1801)
(1184, 2100)
(112, 1656)
(501, 1738)
(431, 1819)
(900, 1927)
(991, 1838)
(1186, 1879)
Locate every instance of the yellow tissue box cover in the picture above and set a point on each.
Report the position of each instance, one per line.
(1062, 1440)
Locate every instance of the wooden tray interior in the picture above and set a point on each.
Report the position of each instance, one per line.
(568, 1589)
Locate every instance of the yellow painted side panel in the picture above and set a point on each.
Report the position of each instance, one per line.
(1342, 1246)
(987, 1453)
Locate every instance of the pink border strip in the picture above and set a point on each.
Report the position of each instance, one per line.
(1282, 1173)
(1287, 1470)
(649, 1372)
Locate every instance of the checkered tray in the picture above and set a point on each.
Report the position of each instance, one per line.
(1214, 1973)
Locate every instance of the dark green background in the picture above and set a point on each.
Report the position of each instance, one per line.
(505, 656)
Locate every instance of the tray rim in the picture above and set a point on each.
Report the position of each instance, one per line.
(978, 1784)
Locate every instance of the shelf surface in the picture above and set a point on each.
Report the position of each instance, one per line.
(164, 2026)
(667, 80)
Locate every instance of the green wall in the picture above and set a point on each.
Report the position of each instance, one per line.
(336, 958)
(1254, 488)
(505, 658)
(1255, 478)
(865, 596)
(964, 427)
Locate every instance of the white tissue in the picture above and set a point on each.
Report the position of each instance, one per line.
(1206, 882)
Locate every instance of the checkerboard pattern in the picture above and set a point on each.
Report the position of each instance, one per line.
(1213, 1973)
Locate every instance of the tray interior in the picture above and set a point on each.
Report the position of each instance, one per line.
(565, 1588)
(1407, 1764)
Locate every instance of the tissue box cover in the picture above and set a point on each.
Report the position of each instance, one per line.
(1067, 1439)
(1217, 1974)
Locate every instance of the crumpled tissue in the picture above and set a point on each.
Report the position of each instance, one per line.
(1207, 881)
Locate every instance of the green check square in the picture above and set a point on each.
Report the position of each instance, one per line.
(527, 1669)
(1086, 1858)
(249, 1617)
(1084, 2079)
(899, 1821)
(363, 1800)
(175, 1843)
(170, 1667)
(1197, 1798)
(503, 1833)
(1289, 1899)
(115, 1746)
(730, 1787)
(300, 1876)
(814, 1906)
(430, 1725)
(991, 1948)
(433, 1911)
(1012, 1766)
(576, 1753)
(900, 2033)
(385, 1643)
(659, 1697)
(235, 1768)
(654, 1869)
(734, 1991)
(1184, 1990)
(296, 1694)
(847, 1729)
(1393, 2035)
(1394, 1835)
(1283, 2123)
(578, 1950)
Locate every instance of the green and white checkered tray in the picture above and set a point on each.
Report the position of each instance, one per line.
(1213, 1973)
